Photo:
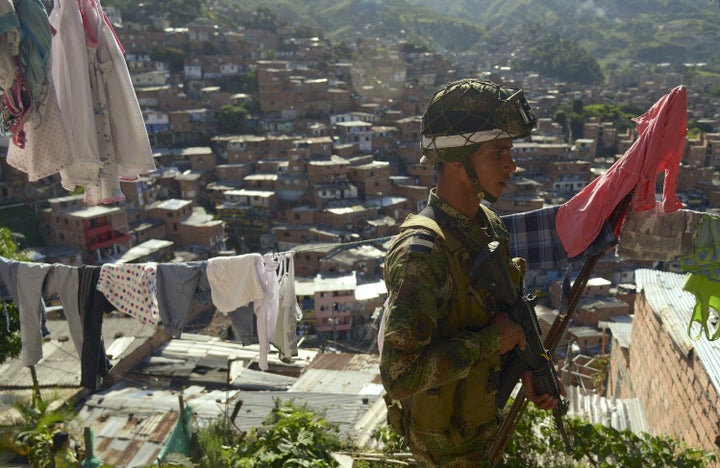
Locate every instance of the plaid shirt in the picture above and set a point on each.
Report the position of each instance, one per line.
(533, 236)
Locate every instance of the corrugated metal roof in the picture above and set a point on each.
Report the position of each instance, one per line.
(132, 423)
(352, 374)
(596, 409)
(665, 294)
(621, 333)
(204, 360)
(60, 365)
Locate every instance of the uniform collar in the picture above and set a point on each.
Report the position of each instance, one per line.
(463, 228)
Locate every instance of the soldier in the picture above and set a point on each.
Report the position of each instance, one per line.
(443, 339)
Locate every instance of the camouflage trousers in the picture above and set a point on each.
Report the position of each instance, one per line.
(452, 449)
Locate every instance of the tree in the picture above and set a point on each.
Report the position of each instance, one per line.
(174, 57)
(10, 344)
(232, 119)
(560, 58)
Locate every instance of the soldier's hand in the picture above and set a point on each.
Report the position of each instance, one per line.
(543, 401)
(510, 333)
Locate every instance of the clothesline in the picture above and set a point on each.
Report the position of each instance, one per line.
(262, 286)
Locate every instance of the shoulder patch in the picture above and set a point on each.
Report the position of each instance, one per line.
(421, 242)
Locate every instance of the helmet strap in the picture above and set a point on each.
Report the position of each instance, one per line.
(472, 175)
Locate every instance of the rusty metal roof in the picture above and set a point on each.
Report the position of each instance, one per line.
(352, 374)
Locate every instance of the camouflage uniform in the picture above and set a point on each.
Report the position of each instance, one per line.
(439, 364)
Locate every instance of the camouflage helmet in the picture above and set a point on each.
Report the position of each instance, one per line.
(465, 113)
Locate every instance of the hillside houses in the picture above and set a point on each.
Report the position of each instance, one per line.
(324, 169)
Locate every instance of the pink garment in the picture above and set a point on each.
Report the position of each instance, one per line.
(45, 151)
(132, 288)
(659, 147)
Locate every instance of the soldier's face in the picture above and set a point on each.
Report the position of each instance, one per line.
(494, 165)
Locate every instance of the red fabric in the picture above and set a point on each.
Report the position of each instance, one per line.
(659, 147)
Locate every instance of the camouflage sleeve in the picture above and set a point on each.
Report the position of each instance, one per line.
(418, 284)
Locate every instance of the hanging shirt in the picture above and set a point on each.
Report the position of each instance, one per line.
(71, 77)
(177, 284)
(132, 289)
(659, 147)
(92, 304)
(45, 150)
(289, 312)
(235, 281)
(707, 295)
(705, 256)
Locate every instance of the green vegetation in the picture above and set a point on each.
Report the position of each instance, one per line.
(174, 57)
(537, 443)
(292, 436)
(30, 436)
(561, 58)
(10, 345)
(22, 219)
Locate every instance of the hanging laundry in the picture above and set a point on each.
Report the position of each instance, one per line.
(92, 304)
(244, 324)
(268, 308)
(236, 280)
(289, 312)
(8, 274)
(45, 149)
(703, 281)
(658, 236)
(25, 67)
(178, 286)
(9, 62)
(35, 44)
(109, 131)
(534, 238)
(705, 256)
(132, 289)
(63, 281)
(130, 139)
(71, 77)
(659, 147)
(707, 295)
(31, 277)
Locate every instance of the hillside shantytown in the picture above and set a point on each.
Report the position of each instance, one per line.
(263, 143)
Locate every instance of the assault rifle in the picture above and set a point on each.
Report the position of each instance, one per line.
(489, 271)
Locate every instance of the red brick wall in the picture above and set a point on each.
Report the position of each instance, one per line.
(678, 396)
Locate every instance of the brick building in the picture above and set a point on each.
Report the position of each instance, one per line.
(99, 231)
(676, 377)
